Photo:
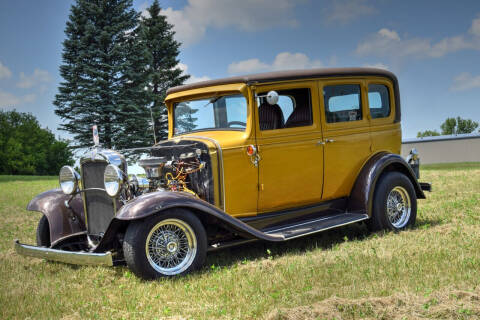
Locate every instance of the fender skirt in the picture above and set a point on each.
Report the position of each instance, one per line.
(153, 203)
(361, 197)
(63, 221)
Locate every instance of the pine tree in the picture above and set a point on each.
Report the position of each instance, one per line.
(133, 113)
(157, 36)
(97, 88)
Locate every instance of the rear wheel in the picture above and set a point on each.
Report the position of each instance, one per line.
(43, 232)
(167, 244)
(394, 203)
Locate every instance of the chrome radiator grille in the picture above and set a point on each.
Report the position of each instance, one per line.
(99, 205)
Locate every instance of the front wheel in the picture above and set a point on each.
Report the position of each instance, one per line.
(168, 244)
(43, 232)
(394, 203)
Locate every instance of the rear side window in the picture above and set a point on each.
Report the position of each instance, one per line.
(378, 101)
(343, 103)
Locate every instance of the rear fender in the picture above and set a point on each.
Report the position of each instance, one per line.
(157, 202)
(361, 196)
(62, 220)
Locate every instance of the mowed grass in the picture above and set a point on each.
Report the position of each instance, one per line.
(430, 271)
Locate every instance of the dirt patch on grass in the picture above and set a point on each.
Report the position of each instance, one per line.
(446, 304)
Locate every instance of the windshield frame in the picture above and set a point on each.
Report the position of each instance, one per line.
(209, 96)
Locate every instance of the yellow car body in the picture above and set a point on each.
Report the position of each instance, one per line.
(298, 166)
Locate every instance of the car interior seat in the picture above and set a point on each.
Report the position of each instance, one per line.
(270, 116)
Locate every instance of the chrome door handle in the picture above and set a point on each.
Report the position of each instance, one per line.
(320, 142)
(329, 140)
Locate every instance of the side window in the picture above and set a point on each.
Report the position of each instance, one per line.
(378, 101)
(342, 103)
(294, 109)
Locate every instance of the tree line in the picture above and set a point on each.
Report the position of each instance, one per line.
(117, 65)
(451, 126)
(26, 148)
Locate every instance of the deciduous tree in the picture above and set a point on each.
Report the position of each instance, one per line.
(427, 133)
(26, 148)
(458, 126)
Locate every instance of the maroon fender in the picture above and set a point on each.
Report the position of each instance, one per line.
(158, 202)
(361, 196)
(63, 221)
(155, 202)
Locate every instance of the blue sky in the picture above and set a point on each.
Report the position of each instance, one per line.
(432, 46)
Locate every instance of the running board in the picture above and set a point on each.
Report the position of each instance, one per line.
(316, 225)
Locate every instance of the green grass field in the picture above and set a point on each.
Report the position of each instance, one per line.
(431, 271)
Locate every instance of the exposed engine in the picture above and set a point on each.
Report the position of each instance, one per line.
(183, 166)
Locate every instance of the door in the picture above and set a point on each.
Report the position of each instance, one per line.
(289, 145)
(346, 134)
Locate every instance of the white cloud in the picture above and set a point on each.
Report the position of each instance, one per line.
(38, 78)
(247, 66)
(191, 22)
(192, 78)
(378, 65)
(143, 10)
(388, 43)
(475, 28)
(10, 100)
(465, 81)
(283, 61)
(4, 72)
(345, 11)
(389, 34)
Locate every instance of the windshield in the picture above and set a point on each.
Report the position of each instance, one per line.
(228, 112)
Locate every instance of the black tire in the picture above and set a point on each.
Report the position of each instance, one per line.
(384, 187)
(43, 232)
(135, 241)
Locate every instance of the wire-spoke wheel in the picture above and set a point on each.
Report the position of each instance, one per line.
(394, 203)
(171, 246)
(398, 207)
(167, 244)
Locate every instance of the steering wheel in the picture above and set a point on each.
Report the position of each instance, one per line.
(238, 123)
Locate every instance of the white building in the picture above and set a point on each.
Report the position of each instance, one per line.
(452, 148)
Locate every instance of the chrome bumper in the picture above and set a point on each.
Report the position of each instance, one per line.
(71, 257)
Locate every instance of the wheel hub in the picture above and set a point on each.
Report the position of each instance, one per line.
(172, 247)
(399, 207)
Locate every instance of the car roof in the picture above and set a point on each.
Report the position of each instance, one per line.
(289, 75)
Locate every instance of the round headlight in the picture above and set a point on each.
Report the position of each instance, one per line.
(113, 179)
(68, 179)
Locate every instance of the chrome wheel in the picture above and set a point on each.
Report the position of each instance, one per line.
(398, 207)
(171, 246)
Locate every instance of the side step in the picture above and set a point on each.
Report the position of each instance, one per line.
(317, 225)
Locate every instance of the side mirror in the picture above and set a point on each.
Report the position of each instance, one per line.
(272, 97)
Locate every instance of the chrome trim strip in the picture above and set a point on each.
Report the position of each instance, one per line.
(220, 160)
(363, 217)
(303, 223)
(71, 257)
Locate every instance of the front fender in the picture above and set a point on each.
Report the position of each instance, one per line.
(361, 196)
(62, 221)
(157, 202)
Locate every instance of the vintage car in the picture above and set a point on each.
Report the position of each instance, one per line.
(270, 157)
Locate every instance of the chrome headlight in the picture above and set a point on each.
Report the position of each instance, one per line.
(68, 179)
(113, 179)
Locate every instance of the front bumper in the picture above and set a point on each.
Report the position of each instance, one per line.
(71, 257)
